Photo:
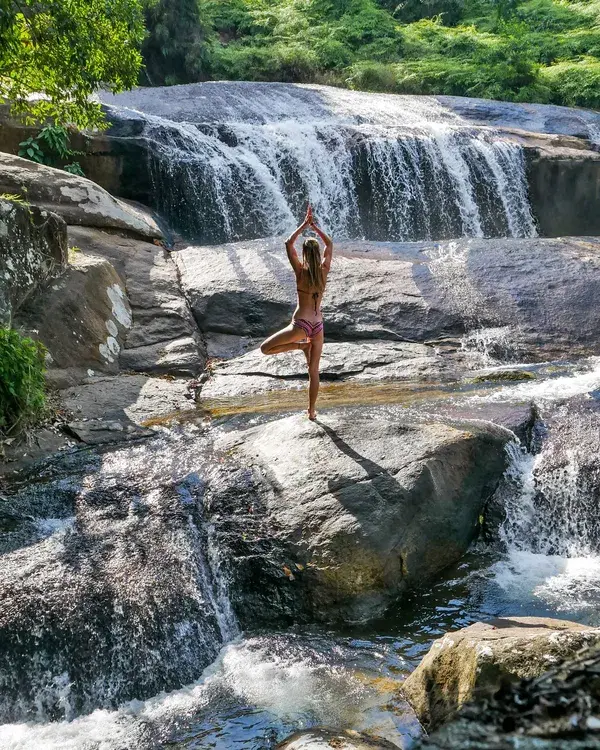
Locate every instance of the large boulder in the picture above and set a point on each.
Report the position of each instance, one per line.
(33, 249)
(82, 319)
(559, 710)
(163, 337)
(336, 519)
(78, 200)
(475, 662)
(536, 297)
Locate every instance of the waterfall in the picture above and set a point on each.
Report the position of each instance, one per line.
(551, 528)
(232, 167)
(555, 510)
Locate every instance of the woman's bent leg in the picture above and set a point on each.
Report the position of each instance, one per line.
(313, 374)
(285, 340)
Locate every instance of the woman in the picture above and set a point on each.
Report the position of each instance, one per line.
(306, 329)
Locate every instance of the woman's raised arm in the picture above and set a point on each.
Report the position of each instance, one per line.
(328, 255)
(290, 243)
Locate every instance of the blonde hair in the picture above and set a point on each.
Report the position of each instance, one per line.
(311, 263)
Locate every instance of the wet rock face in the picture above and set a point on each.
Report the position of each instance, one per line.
(475, 662)
(335, 519)
(564, 189)
(560, 710)
(105, 586)
(33, 249)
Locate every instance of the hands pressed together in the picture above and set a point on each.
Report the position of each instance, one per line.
(309, 219)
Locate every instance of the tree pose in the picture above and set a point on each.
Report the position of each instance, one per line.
(306, 329)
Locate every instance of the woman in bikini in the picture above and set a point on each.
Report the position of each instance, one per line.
(306, 329)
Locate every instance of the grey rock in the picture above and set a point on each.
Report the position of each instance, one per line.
(82, 318)
(320, 738)
(392, 503)
(163, 337)
(78, 200)
(537, 296)
(537, 118)
(99, 432)
(134, 398)
(365, 362)
(33, 250)
(556, 711)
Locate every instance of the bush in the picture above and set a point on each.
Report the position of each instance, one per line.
(372, 77)
(574, 84)
(22, 392)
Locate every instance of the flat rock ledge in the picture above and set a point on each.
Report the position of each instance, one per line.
(475, 662)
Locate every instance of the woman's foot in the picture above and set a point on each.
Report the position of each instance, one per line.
(312, 414)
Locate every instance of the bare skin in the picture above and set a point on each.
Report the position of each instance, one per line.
(308, 308)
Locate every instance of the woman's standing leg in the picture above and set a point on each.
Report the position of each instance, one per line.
(313, 374)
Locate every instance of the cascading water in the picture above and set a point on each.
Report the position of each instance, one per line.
(381, 167)
(551, 531)
(138, 518)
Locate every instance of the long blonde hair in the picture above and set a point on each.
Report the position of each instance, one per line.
(312, 264)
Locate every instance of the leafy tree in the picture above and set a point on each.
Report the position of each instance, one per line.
(61, 51)
(177, 48)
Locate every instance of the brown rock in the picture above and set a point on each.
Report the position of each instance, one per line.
(475, 661)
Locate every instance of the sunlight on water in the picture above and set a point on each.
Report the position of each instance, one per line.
(258, 690)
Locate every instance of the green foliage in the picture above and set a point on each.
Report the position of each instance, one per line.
(65, 50)
(31, 149)
(22, 387)
(576, 84)
(178, 45)
(14, 198)
(51, 147)
(373, 77)
(521, 50)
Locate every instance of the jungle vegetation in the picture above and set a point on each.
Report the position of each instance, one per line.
(518, 50)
